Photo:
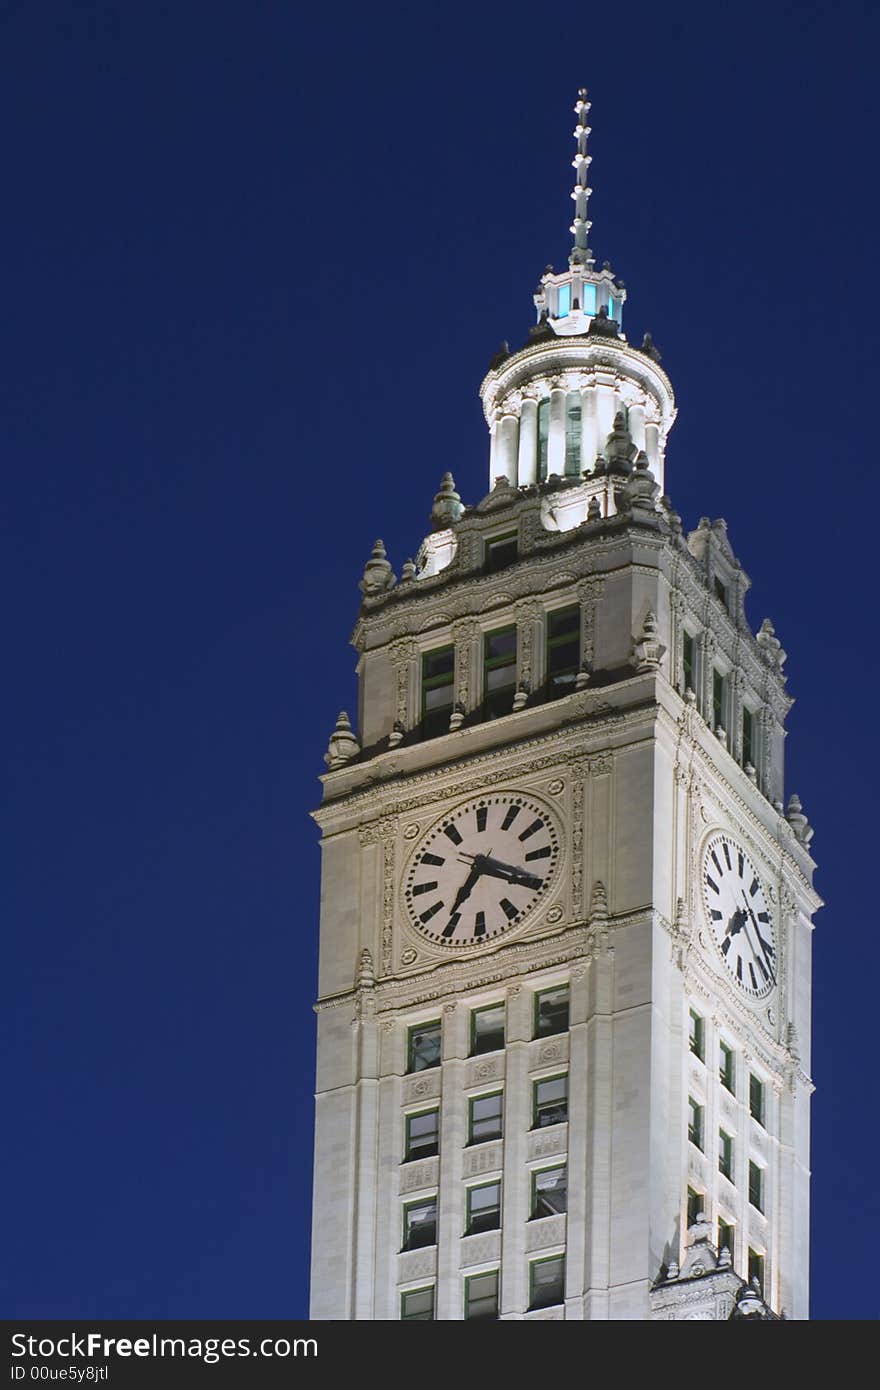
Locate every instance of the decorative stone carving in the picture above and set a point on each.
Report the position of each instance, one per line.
(448, 506)
(794, 814)
(414, 1176)
(648, 650)
(682, 933)
(598, 944)
(378, 575)
(343, 745)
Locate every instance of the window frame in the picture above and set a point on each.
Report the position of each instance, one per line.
(410, 1206)
(542, 994)
(495, 545)
(556, 643)
(469, 1228)
(725, 1154)
(726, 1235)
(485, 1009)
(689, 649)
(415, 1317)
(536, 1173)
(488, 1138)
(727, 1066)
(428, 683)
(696, 1203)
(499, 663)
(468, 1280)
(748, 718)
(543, 1081)
(756, 1265)
(756, 1084)
(719, 699)
(533, 1265)
(696, 1125)
(408, 1155)
(421, 1027)
(697, 1035)
(756, 1186)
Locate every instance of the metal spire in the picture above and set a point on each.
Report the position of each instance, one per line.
(580, 227)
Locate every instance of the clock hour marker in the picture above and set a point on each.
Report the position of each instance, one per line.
(716, 915)
(712, 884)
(432, 859)
(739, 967)
(451, 924)
(482, 813)
(452, 833)
(753, 975)
(539, 853)
(424, 887)
(480, 924)
(532, 829)
(763, 969)
(726, 854)
(763, 917)
(726, 943)
(716, 861)
(512, 813)
(508, 909)
(740, 859)
(431, 911)
(754, 888)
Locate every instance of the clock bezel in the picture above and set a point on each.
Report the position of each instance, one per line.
(526, 920)
(715, 835)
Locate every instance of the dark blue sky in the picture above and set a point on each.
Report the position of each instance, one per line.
(255, 260)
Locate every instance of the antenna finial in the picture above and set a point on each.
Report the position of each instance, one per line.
(580, 253)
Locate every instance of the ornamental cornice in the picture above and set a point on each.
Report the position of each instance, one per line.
(580, 355)
(464, 772)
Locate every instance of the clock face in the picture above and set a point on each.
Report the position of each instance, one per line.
(738, 912)
(481, 869)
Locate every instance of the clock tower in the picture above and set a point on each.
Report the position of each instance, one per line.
(564, 989)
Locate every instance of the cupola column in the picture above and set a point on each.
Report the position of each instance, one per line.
(589, 429)
(506, 457)
(527, 463)
(556, 441)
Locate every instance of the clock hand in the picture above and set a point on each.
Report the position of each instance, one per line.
(466, 888)
(764, 945)
(511, 873)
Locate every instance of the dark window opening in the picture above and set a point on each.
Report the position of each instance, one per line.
(563, 650)
(499, 672)
(438, 689)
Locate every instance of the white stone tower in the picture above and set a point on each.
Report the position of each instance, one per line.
(564, 995)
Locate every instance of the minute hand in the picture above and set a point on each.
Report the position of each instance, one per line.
(764, 947)
(510, 873)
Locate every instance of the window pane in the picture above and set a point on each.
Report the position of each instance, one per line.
(487, 1029)
(481, 1296)
(688, 661)
(564, 302)
(756, 1186)
(695, 1122)
(548, 1282)
(725, 1154)
(501, 645)
(756, 1099)
(695, 1205)
(717, 699)
(424, 1046)
(756, 1270)
(573, 434)
(551, 1101)
(438, 664)
(500, 677)
(550, 1192)
(484, 1208)
(551, 1012)
(418, 1306)
(726, 1066)
(696, 1027)
(485, 1118)
(420, 1224)
(500, 552)
(747, 749)
(725, 1235)
(422, 1134)
(588, 292)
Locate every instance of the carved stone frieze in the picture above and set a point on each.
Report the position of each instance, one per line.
(480, 1249)
(416, 1264)
(414, 1177)
(547, 1143)
(423, 1086)
(545, 1233)
(483, 1069)
(482, 1159)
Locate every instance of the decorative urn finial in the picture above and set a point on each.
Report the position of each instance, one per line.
(343, 745)
(448, 506)
(378, 575)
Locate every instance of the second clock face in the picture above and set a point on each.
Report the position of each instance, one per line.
(739, 913)
(481, 869)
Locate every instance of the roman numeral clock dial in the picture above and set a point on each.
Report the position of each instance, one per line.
(739, 915)
(481, 870)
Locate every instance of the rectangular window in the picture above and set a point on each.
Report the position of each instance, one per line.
(438, 670)
(697, 1032)
(543, 438)
(550, 1105)
(588, 292)
(481, 1296)
(547, 1282)
(563, 650)
(549, 1191)
(756, 1271)
(696, 1204)
(748, 748)
(485, 1117)
(551, 1012)
(420, 1223)
(756, 1099)
(487, 1029)
(688, 661)
(563, 302)
(423, 1046)
(725, 1235)
(717, 700)
(573, 434)
(725, 1154)
(501, 551)
(727, 1067)
(756, 1185)
(499, 672)
(695, 1122)
(417, 1305)
(483, 1208)
(422, 1135)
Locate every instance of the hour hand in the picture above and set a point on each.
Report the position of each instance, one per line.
(520, 878)
(466, 888)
